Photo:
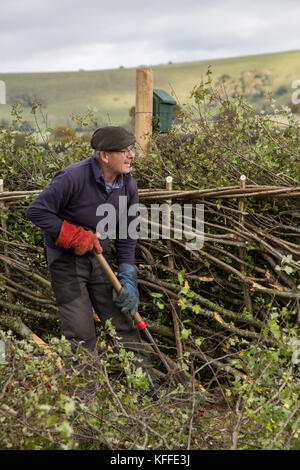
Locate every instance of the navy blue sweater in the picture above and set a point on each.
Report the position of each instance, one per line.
(74, 194)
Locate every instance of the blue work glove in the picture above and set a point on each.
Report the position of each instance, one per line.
(128, 299)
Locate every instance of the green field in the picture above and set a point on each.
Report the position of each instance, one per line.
(112, 92)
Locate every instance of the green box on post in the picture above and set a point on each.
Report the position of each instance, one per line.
(163, 109)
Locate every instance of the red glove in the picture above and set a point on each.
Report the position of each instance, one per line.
(81, 240)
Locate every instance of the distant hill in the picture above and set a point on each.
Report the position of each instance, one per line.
(112, 92)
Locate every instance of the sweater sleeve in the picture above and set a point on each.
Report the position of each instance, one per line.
(45, 209)
(126, 246)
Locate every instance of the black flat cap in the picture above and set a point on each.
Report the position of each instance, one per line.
(111, 138)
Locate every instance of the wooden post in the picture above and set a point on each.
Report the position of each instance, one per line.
(3, 222)
(247, 298)
(144, 109)
(2, 92)
(5, 249)
(169, 187)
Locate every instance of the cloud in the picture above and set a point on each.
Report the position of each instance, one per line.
(53, 35)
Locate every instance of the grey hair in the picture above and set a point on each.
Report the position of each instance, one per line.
(96, 154)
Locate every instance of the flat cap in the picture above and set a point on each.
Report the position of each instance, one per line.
(111, 138)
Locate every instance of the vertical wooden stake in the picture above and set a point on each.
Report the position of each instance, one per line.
(247, 298)
(169, 187)
(144, 109)
(3, 223)
(4, 226)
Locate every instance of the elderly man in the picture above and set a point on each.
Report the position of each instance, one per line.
(66, 210)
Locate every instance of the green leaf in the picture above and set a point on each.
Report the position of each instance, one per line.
(185, 333)
(288, 269)
(69, 407)
(156, 295)
(65, 429)
(196, 308)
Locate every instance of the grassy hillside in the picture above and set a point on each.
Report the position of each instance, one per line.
(112, 92)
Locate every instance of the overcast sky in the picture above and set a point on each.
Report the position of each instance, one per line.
(66, 35)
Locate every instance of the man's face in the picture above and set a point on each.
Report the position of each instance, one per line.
(119, 162)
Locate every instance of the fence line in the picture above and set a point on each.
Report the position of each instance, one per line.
(164, 194)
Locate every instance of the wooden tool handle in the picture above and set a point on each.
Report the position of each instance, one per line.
(118, 286)
(109, 272)
(141, 324)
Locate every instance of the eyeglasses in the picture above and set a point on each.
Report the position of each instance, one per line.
(127, 151)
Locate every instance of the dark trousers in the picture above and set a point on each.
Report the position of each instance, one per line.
(80, 284)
